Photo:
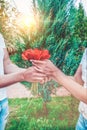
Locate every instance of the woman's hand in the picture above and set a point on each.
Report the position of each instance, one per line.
(45, 67)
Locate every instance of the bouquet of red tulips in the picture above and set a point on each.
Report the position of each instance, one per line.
(35, 54)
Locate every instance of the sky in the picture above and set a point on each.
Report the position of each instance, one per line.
(25, 6)
(84, 2)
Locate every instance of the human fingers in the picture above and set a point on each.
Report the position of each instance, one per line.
(42, 81)
(39, 69)
(45, 64)
(34, 79)
(49, 78)
(43, 70)
(38, 61)
(39, 80)
(36, 65)
(45, 79)
(39, 74)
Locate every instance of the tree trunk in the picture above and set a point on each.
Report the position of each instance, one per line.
(45, 109)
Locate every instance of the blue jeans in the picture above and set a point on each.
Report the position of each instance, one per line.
(3, 113)
(82, 123)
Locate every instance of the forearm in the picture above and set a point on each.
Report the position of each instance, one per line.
(72, 86)
(9, 67)
(76, 79)
(12, 68)
(9, 79)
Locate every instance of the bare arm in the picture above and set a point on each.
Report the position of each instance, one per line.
(9, 79)
(78, 76)
(73, 86)
(14, 74)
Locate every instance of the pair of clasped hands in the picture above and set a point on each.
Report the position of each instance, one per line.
(43, 70)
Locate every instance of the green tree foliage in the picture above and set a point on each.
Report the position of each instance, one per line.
(8, 15)
(63, 32)
(81, 24)
(78, 40)
(54, 33)
(55, 29)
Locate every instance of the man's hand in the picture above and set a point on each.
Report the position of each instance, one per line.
(32, 75)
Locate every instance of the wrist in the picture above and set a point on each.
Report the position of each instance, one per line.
(55, 72)
(21, 75)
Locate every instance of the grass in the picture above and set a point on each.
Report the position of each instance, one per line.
(29, 114)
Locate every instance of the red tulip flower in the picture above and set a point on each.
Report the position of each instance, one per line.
(35, 54)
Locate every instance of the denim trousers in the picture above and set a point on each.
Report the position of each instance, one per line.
(82, 123)
(3, 113)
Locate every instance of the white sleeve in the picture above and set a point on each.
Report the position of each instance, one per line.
(84, 56)
(2, 42)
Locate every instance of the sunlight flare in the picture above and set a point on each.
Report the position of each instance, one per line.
(26, 21)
